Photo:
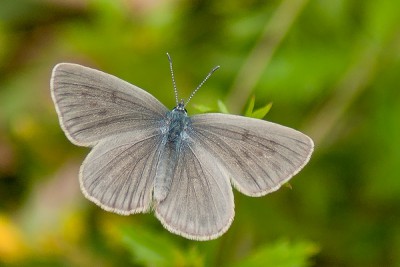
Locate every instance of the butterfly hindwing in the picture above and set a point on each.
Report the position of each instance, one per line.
(200, 203)
(118, 174)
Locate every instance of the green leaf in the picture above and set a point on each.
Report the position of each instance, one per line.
(202, 108)
(250, 107)
(149, 248)
(281, 254)
(288, 185)
(261, 112)
(222, 107)
(152, 249)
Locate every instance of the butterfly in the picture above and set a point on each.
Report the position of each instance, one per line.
(145, 157)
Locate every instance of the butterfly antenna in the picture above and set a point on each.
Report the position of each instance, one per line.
(201, 84)
(173, 78)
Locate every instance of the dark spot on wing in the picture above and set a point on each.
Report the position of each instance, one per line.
(102, 112)
(84, 94)
(114, 97)
(246, 155)
(246, 135)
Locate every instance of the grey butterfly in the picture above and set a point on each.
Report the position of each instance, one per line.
(145, 157)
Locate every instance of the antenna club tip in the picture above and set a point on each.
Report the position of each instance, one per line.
(215, 68)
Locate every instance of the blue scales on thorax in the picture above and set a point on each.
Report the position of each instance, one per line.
(178, 122)
(176, 125)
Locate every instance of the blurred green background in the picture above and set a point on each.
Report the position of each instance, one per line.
(331, 69)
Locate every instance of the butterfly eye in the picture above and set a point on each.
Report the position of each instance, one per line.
(181, 105)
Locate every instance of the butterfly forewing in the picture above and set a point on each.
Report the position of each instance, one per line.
(93, 105)
(259, 155)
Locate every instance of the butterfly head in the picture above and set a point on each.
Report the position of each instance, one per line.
(181, 107)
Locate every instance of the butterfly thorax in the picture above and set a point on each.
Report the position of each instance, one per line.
(177, 121)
